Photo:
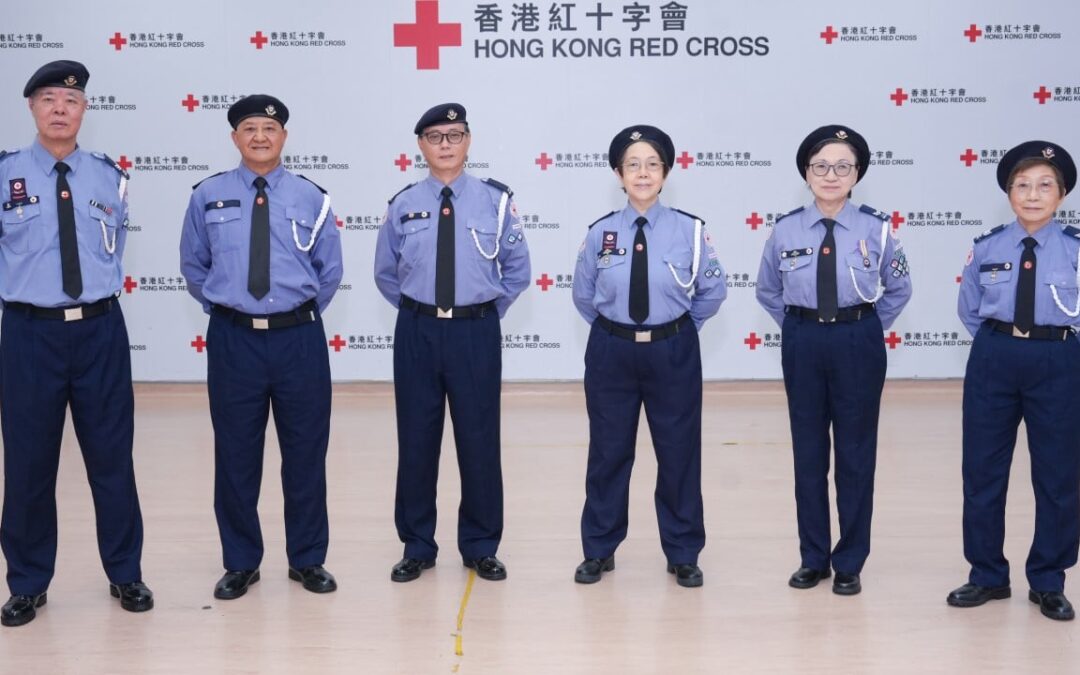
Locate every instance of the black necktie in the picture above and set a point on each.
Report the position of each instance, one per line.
(69, 242)
(1024, 315)
(826, 274)
(444, 253)
(259, 252)
(639, 275)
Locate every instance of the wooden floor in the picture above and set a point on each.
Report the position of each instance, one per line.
(637, 620)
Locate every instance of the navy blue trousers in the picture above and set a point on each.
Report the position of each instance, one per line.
(460, 361)
(665, 376)
(833, 375)
(45, 366)
(248, 371)
(1010, 379)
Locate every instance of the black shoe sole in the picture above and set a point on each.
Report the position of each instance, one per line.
(995, 594)
(581, 578)
(847, 590)
(498, 576)
(686, 583)
(26, 618)
(128, 605)
(240, 592)
(296, 576)
(424, 565)
(803, 585)
(1034, 597)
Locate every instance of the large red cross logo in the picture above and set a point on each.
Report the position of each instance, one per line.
(829, 35)
(897, 220)
(973, 33)
(544, 281)
(899, 97)
(130, 285)
(1042, 95)
(969, 157)
(258, 39)
(754, 220)
(753, 341)
(684, 160)
(123, 163)
(118, 41)
(893, 340)
(199, 343)
(337, 343)
(190, 103)
(544, 161)
(427, 35)
(402, 162)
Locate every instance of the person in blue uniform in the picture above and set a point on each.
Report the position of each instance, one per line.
(834, 278)
(451, 256)
(63, 342)
(261, 254)
(647, 278)
(1018, 298)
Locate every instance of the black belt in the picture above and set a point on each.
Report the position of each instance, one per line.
(462, 312)
(1055, 333)
(843, 315)
(73, 313)
(661, 332)
(305, 313)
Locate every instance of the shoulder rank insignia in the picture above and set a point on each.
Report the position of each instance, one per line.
(991, 232)
(689, 215)
(790, 213)
(1072, 231)
(206, 179)
(111, 162)
(391, 200)
(6, 153)
(497, 185)
(312, 182)
(874, 212)
(602, 218)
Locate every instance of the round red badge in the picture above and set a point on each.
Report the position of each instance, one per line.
(1028, 265)
(64, 194)
(446, 212)
(639, 247)
(826, 251)
(259, 201)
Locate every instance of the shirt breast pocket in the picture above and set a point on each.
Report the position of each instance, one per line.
(483, 233)
(106, 227)
(20, 229)
(995, 277)
(224, 228)
(302, 228)
(414, 231)
(680, 264)
(794, 264)
(1063, 288)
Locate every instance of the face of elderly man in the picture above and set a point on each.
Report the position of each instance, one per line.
(58, 113)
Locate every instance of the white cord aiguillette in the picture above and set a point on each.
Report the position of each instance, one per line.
(498, 230)
(1057, 300)
(315, 229)
(877, 277)
(109, 248)
(695, 264)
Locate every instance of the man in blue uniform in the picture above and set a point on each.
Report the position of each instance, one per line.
(261, 253)
(1018, 297)
(63, 342)
(451, 255)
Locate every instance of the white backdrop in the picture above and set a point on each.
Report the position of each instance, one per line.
(940, 90)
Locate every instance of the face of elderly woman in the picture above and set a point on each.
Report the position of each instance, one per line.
(1035, 195)
(642, 174)
(833, 159)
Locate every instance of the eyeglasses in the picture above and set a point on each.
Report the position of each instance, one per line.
(436, 137)
(1044, 187)
(654, 166)
(841, 169)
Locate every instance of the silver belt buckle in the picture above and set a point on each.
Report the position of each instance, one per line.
(73, 314)
(260, 324)
(1019, 333)
(441, 313)
(311, 315)
(643, 336)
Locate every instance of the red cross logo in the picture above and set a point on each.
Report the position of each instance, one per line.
(958, 278)
(684, 160)
(829, 35)
(544, 161)
(753, 341)
(339, 222)
(190, 103)
(754, 220)
(897, 220)
(198, 343)
(899, 97)
(543, 282)
(1042, 95)
(118, 41)
(973, 33)
(969, 157)
(337, 343)
(123, 163)
(130, 285)
(427, 34)
(402, 162)
(258, 39)
(893, 340)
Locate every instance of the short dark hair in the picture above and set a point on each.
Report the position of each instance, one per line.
(659, 153)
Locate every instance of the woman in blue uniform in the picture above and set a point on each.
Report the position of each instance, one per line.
(833, 277)
(1018, 297)
(647, 278)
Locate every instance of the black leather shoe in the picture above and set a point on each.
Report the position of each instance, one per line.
(408, 569)
(489, 567)
(21, 609)
(235, 583)
(134, 597)
(590, 571)
(846, 584)
(972, 595)
(689, 576)
(808, 577)
(315, 578)
(1053, 604)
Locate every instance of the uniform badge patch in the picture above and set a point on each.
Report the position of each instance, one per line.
(610, 241)
(18, 189)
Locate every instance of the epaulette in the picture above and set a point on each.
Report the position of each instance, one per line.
(498, 186)
(6, 153)
(602, 218)
(206, 179)
(1071, 231)
(790, 213)
(312, 182)
(991, 232)
(689, 215)
(109, 160)
(391, 200)
(874, 212)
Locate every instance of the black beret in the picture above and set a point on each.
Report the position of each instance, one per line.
(835, 132)
(444, 113)
(258, 105)
(1051, 153)
(641, 132)
(67, 74)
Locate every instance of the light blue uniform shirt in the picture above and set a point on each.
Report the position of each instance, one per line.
(788, 271)
(30, 269)
(602, 275)
(408, 240)
(988, 284)
(215, 243)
